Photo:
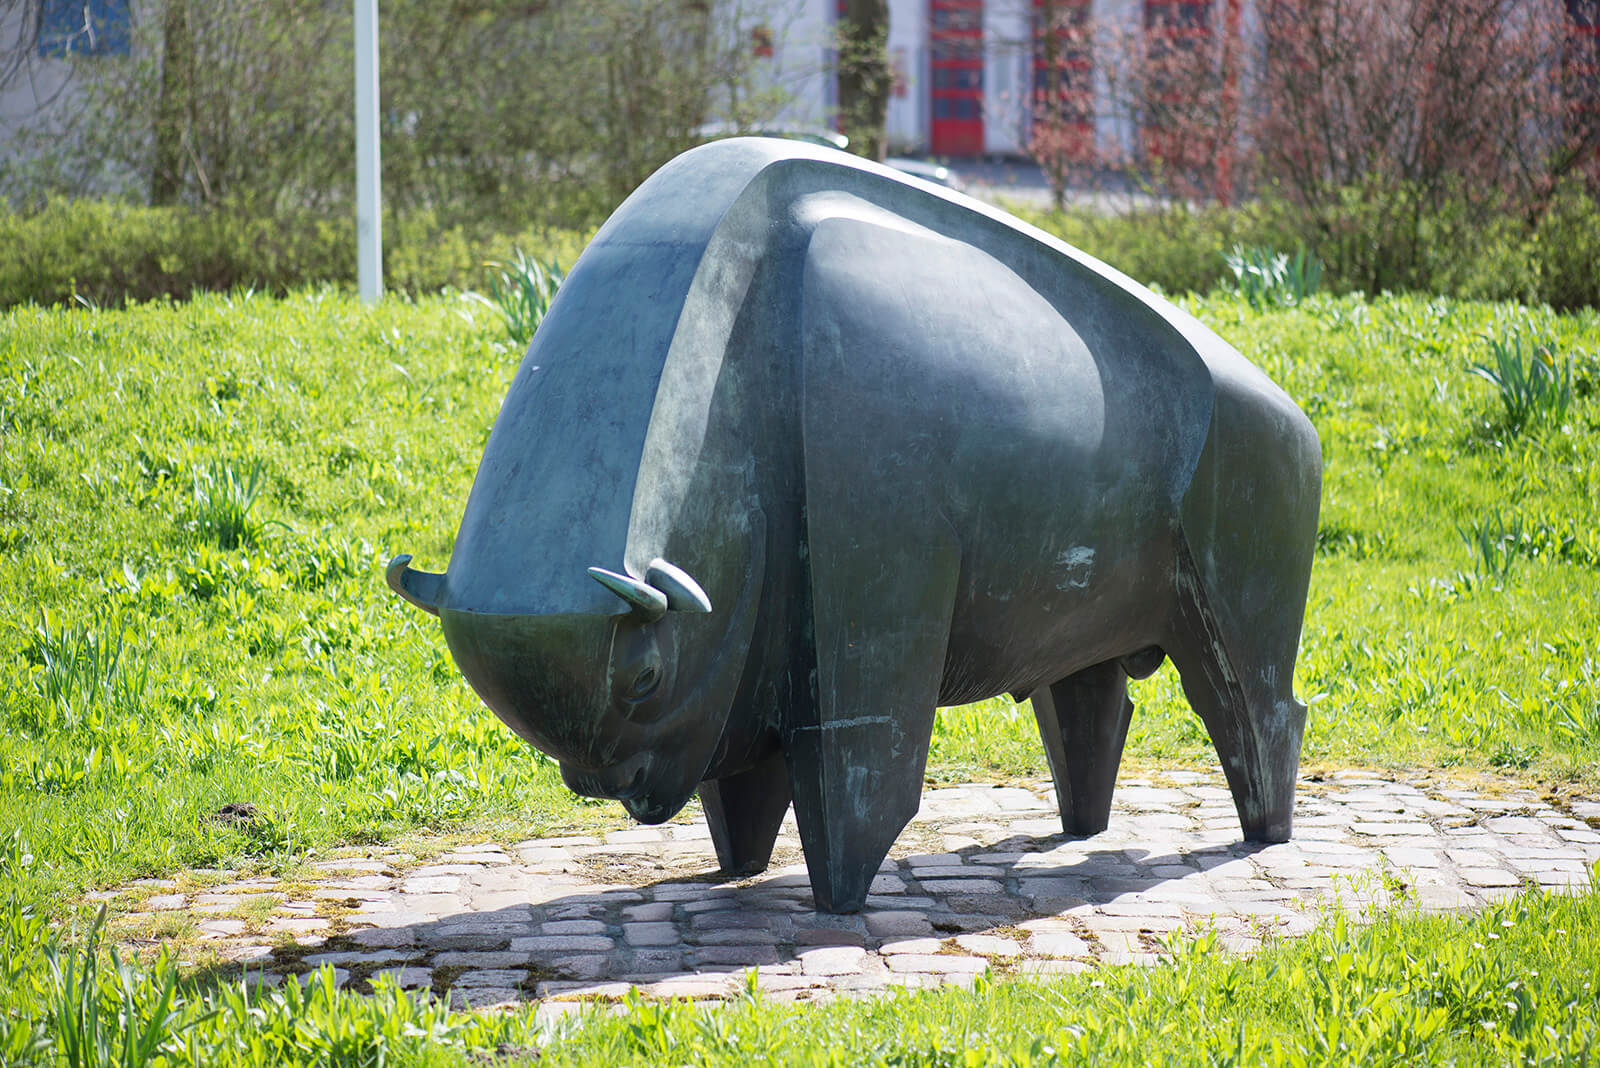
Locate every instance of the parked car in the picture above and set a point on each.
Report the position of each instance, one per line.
(928, 171)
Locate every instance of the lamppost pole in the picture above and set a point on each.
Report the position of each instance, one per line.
(369, 209)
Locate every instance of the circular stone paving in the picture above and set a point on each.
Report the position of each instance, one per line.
(982, 880)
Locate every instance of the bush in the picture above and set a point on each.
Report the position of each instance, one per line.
(1175, 250)
(1551, 256)
(1566, 246)
(110, 252)
(550, 112)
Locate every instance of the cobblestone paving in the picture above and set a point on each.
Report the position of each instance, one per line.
(982, 880)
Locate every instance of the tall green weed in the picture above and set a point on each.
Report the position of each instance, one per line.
(85, 670)
(1533, 387)
(521, 290)
(222, 502)
(1268, 278)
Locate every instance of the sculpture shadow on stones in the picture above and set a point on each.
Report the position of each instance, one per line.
(716, 940)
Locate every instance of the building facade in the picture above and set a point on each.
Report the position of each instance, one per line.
(967, 72)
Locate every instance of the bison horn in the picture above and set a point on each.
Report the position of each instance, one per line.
(649, 602)
(421, 588)
(683, 593)
(666, 588)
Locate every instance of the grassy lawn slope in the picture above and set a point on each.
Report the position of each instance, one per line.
(196, 503)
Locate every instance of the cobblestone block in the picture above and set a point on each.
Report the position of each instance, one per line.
(735, 956)
(503, 978)
(735, 936)
(484, 997)
(884, 924)
(486, 914)
(650, 934)
(485, 959)
(577, 927)
(989, 945)
(937, 963)
(1484, 877)
(690, 986)
(655, 960)
(827, 936)
(831, 960)
(406, 978)
(561, 943)
(1057, 944)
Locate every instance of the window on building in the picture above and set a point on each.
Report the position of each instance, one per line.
(963, 108)
(1583, 47)
(761, 42)
(1179, 18)
(84, 28)
(958, 78)
(1063, 61)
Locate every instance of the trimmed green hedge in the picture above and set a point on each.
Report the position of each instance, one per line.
(109, 252)
(1552, 257)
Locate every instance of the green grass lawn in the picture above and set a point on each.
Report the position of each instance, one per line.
(1513, 985)
(196, 502)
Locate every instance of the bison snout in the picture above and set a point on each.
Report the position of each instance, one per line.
(621, 782)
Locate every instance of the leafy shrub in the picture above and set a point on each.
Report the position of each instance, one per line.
(1551, 255)
(107, 253)
(1174, 249)
(1566, 248)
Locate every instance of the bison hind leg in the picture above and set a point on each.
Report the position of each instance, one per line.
(1083, 722)
(1237, 675)
(744, 813)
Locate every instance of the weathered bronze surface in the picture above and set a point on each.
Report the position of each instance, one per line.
(805, 448)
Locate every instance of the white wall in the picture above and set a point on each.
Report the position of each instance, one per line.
(804, 66)
(907, 123)
(1007, 75)
(39, 83)
(42, 91)
(802, 63)
(1117, 23)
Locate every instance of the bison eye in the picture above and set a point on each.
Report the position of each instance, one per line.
(644, 684)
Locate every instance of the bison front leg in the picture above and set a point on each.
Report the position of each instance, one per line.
(856, 786)
(744, 813)
(880, 617)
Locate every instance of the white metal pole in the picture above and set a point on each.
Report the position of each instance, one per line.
(369, 209)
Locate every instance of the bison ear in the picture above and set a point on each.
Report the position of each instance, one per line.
(647, 601)
(683, 592)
